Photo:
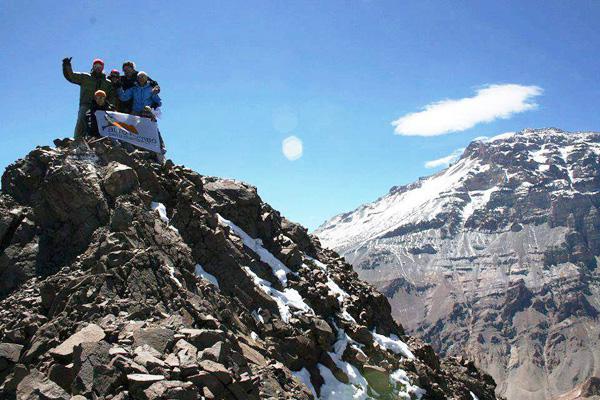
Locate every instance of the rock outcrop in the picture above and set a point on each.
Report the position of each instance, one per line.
(495, 257)
(123, 278)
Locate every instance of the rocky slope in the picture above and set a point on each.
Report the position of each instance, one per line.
(121, 278)
(495, 257)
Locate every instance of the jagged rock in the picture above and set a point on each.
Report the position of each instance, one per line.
(62, 375)
(171, 390)
(252, 355)
(137, 383)
(217, 370)
(10, 352)
(209, 382)
(378, 378)
(120, 179)
(88, 359)
(149, 361)
(203, 338)
(158, 338)
(90, 334)
(36, 386)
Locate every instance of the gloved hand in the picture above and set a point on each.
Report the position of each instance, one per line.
(67, 60)
(156, 89)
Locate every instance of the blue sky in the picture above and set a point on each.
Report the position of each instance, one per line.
(239, 77)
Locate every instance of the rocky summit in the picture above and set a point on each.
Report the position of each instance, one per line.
(123, 278)
(495, 258)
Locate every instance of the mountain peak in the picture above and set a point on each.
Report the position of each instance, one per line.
(476, 256)
(123, 277)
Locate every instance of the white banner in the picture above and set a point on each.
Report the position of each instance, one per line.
(142, 132)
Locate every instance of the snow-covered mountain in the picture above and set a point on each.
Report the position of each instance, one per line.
(495, 256)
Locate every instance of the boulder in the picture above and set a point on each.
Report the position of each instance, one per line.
(88, 360)
(217, 370)
(171, 390)
(158, 338)
(120, 179)
(36, 386)
(10, 352)
(90, 334)
(377, 377)
(62, 375)
(140, 382)
(203, 338)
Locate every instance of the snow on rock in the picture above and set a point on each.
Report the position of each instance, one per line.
(304, 377)
(333, 389)
(394, 344)
(162, 211)
(422, 201)
(205, 275)
(279, 269)
(334, 289)
(479, 199)
(286, 299)
(171, 270)
(408, 391)
(473, 396)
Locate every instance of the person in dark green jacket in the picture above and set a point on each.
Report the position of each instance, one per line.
(89, 83)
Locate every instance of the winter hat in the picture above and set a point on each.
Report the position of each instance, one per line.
(100, 93)
(98, 61)
(112, 71)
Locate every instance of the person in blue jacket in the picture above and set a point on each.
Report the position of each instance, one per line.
(144, 98)
(143, 95)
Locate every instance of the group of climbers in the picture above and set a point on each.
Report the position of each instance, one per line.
(131, 93)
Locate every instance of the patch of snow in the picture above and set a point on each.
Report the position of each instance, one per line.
(422, 202)
(205, 275)
(473, 396)
(317, 263)
(479, 199)
(289, 297)
(333, 389)
(336, 290)
(304, 377)
(254, 335)
(171, 270)
(257, 317)
(279, 269)
(394, 344)
(539, 156)
(410, 391)
(162, 211)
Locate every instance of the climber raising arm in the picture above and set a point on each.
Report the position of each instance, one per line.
(73, 77)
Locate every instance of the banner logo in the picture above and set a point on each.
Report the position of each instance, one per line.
(112, 122)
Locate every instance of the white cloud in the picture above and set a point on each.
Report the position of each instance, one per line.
(292, 148)
(446, 116)
(445, 161)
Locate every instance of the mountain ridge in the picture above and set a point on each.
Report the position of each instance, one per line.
(516, 215)
(124, 278)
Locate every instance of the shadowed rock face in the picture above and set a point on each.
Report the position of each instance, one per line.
(495, 257)
(122, 277)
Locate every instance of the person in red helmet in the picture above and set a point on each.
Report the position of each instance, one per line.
(89, 83)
